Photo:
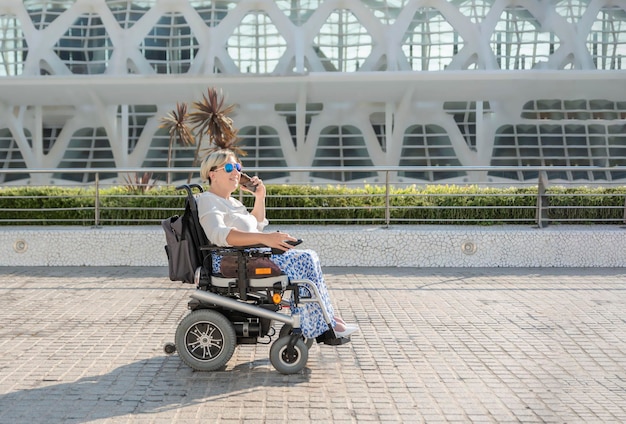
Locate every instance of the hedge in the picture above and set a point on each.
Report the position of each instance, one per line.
(437, 204)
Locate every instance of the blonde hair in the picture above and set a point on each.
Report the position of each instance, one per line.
(215, 160)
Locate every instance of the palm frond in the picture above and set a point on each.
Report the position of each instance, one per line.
(176, 124)
(140, 183)
(212, 118)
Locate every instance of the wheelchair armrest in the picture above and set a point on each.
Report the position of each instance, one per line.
(214, 247)
(275, 251)
(240, 251)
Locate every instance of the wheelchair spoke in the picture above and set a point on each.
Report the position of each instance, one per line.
(204, 341)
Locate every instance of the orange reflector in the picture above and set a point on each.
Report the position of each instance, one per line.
(263, 271)
(276, 298)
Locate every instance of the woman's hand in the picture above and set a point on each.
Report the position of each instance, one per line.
(258, 210)
(259, 187)
(278, 240)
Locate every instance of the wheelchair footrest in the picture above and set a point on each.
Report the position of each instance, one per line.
(337, 341)
(328, 338)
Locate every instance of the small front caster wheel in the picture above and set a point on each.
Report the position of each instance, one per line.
(169, 348)
(288, 360)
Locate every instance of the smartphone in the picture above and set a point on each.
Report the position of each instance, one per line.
(244, 180)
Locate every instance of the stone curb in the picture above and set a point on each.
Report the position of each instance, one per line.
(400, 246)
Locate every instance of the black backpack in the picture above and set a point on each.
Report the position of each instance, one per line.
(184, 237)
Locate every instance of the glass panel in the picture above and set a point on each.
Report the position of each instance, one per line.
(607, 39)
(13, 46)
(288, 111)
(430, 42)
(519, 42)
(88, 148)
(343, 43)
(156, 157)
(571, 10)
(128, 12)
(213, 12)
(138, 116)
(476, 10)
(85, 48)
(387, 10)
(299, 11)
(464, 114)
(11, 156)
(428, 146)
(43, 13)
(263, 149)
(342, 147)
(170, 46)
(256, 46)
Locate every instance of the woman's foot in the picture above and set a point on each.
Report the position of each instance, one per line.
(342, 329)
(346, 330)
(340, 326)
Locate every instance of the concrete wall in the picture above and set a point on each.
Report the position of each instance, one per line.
(402, 246)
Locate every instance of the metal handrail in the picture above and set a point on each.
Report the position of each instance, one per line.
(455, 168)
(541, 183)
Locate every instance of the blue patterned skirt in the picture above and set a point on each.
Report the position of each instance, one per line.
(301, 264)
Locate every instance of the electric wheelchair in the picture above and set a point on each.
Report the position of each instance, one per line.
(228, 311)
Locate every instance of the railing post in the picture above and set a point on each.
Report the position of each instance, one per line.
(541, 215)
(387, 202)
(97, 202)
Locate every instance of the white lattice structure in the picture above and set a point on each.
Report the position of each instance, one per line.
(331, 83)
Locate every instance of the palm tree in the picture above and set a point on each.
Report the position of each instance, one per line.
(210, 118)
(176, 122)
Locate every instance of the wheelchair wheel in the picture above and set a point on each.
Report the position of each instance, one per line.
(287, 362)
(205, 340)
(286, 330)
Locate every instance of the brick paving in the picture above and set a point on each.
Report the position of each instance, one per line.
(437, 345)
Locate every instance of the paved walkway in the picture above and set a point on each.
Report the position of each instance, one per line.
(437, 345)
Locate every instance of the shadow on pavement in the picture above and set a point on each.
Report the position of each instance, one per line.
(143, 387)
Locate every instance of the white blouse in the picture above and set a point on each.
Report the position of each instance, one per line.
(218, 216)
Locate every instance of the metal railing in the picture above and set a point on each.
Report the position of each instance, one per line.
(382, 208)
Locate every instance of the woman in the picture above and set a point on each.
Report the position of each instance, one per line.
(227, 222)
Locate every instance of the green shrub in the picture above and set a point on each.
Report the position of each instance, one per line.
(436, 204)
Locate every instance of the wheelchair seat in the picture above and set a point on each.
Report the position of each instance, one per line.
(243, 282)
(253, 283)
